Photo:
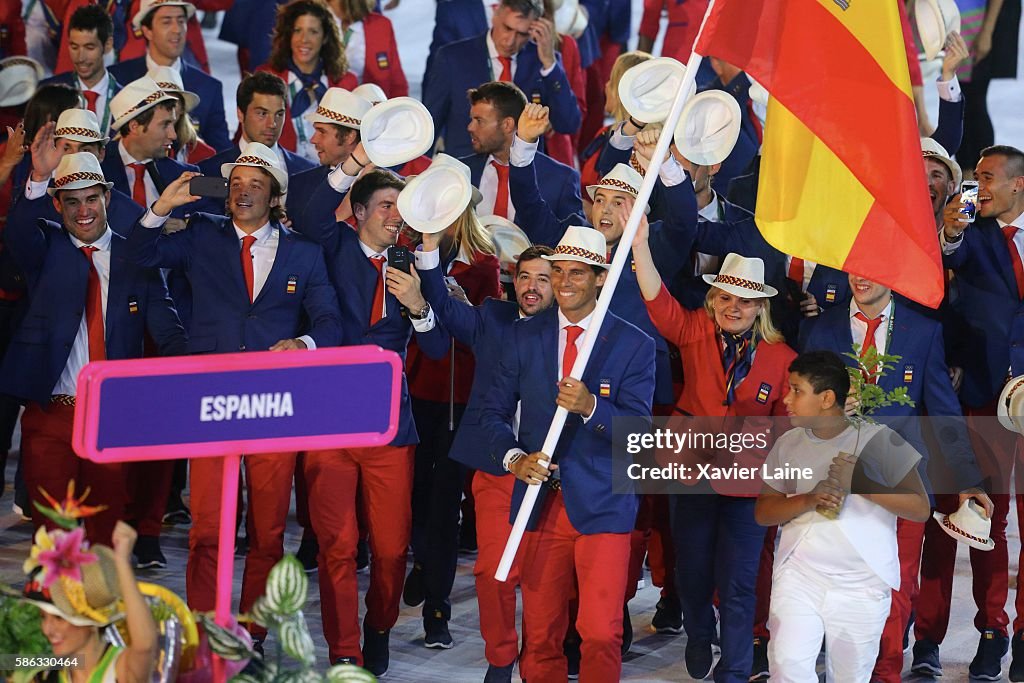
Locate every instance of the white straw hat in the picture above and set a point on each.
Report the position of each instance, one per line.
(170, 81)
(397, 131)
(19, 77)
(930, 149)
(340, 107)
(148, 6)
(258, 155)
(77, 171)
(935, 19)
(968, 525)
(509, 241)
(648, 89)
(571, 18)
(371, 92)
(708, 127)
(1010, 408)
(581, 243)
(621, 178)
(742, 277)
(434, 199)
(80, 125)
(135, 98)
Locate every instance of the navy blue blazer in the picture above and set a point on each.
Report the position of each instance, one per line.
(671, 242)
(988, 336)
(561, 188)
(454, 20)
(304, 184)
(296, 299)
(211, 167)
(484, 329)
(922, 369)
(57, 278)
(249, 24)
(463, 65)
(622, 363)
(167, 171)
(355, 280)
(208, 114)
(739, 234)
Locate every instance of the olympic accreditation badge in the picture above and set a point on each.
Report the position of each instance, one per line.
(293, 281)
(908, 374)
(605, 390)
(764, 392)
(29, 662)
(830, 294)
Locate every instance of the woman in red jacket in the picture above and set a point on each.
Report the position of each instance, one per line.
(370, 46)
(308, 55)
(735, 365)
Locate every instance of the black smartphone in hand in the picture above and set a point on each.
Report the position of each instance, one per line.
(399, 258)
(208, 186)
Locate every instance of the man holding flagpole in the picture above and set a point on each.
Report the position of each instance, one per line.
(581, 529)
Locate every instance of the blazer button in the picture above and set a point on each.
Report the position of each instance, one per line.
(241, 347)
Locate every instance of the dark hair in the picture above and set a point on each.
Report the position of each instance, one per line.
(533, 253)
(46, 105)
(531, 9)
(823, 370)
(377, 179)
(331, 53)
(145, 117)
(276, 212)
(261, 82)
(92, 18)
(356, 10)
(1014, 157)
(506, 98)
(341, 132)
(147, 20)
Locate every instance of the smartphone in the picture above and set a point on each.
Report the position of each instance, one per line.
(969, 197)
(400, 258)
(208, 186)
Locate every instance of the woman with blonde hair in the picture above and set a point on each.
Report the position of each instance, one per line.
(368, 39)
(308, 55)
(735, 365)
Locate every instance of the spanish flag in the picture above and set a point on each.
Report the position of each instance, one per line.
(841, 173)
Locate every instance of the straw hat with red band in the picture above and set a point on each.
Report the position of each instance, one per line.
(930, 149)
(340, 107)
(583, 244)
(137, 97)
(80, 125)
(258, 155)
(743, 277)
(969, 525)
(1010, 407)
(148, 6)
(78, 171)
(170, 81)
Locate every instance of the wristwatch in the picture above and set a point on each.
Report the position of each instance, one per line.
(422, 313)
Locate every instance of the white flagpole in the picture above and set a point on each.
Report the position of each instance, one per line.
(603, 301)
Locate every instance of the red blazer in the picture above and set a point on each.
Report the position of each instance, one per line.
(760, 394)
(429, 379)
(289, 139)
(383, 67)
(562, 146)
(415, 167)
(200, 151)
(12, 30)
(683, 22)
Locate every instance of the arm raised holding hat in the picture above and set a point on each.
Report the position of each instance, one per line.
(136, 663)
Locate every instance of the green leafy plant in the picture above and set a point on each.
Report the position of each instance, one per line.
(279, 610)
(21, 632)
(864, 388)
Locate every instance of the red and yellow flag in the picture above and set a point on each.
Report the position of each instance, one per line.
(841, 172)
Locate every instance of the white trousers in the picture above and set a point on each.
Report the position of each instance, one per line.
(807, 606)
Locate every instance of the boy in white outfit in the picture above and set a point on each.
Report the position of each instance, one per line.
(833, 578)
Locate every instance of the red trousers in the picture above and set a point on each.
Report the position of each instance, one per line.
(652, 538)
(269, 482)
(49, 463)
(383, 475)
(909, 538)
(555, 553)
(496, 599)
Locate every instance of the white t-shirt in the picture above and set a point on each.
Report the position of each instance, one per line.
(862, 539)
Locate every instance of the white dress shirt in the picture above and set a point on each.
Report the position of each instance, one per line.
(489, 190)
(152, 194)
(859, 328)
(355, 48)
(102, 113)
(79, 354)
(151, 65)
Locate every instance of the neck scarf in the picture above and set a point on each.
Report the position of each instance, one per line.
(312, 90)
(737, 358)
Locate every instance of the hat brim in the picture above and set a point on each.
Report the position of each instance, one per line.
(768, 292)
(1003, 404)
(84, 140)
(648, 98)
(125, 118)
(718, 147)
(954, 169)
(313, 117)
(931, 27)
(77, 185)
(592, 193)
(280, 175)
(579, 259)
(952, 533)
(409, 196)
(190, 11)
(415, 123)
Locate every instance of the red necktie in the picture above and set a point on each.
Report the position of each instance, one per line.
(1018, 268)
(869, 337)
(94, 310)
(245, 255)
(139, 188)
(501, 198)
(506, 69)
(90, 98)
(796, 271)
(377, 308)
(572, 333)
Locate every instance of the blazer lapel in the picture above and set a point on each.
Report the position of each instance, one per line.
(1001, 255)
(549, 354)
(279, 271)
(113, 169)
(115, 297)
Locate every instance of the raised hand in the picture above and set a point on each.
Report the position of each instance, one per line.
(45, 155)
(123, 541)
(15, 148)
(176, 194)
(956, 54)
(533, 122)
(542, 31)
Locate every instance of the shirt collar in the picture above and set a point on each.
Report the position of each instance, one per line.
(127, 158)
(492, 50)
(261, 235)
(1019, 222)
(884, 315)
(101, 85)
(563, 322)
(150, 64)
(101, 244)
(370, 253)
